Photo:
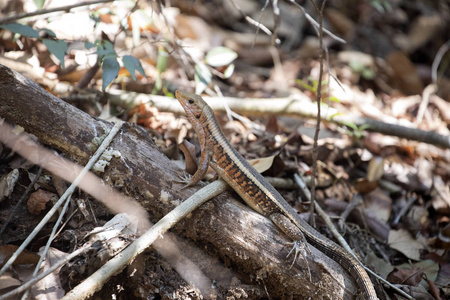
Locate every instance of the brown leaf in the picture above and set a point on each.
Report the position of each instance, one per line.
(423, 29)
(26, 257)
(188, 150)
(406, 276)
(38, 200)
(272, 125)
(342, 25)
(362, 185)
(7, 281)
(405, 75)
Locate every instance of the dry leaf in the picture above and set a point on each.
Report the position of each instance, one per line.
(376, 169)
(38, 201)
(25, 258)
(423, 29)
(50, 287)
(380, 266)
(402, 241)
(441, 195)
(7, 281)
(406, 276)
(272, 125)
(379, 203)
(262, 164)
(190, 159)
(429, 267)
(405, 77)
(415, 219)
(363, 185)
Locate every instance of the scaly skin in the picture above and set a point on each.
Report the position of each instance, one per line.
(256, 191)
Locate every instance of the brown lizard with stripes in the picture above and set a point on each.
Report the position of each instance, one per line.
(256, 191)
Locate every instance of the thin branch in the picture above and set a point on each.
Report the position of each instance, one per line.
(315, 24)
(49, 242)
(437, 60)
(319, 99)
(53, 268)
(119, 262)
(276, 19)
(67, 8)
(298, 105)
(10, 140)
(257, 24)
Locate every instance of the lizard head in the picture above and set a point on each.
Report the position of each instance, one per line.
(193, 104)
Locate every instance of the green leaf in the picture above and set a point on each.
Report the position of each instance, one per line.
(335, 99)
(202, 77)
(21, 29)
(168, 94)
(57, 48)
(132, 64)
(88, 45)
(39, 3)
(106, 50)
(220, 56)
(110, 69)
(229, 71)
(350, 125)
(306, 86)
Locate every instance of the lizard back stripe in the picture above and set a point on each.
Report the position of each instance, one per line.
(262, 196)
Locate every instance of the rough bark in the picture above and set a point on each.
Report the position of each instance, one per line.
(244, 240)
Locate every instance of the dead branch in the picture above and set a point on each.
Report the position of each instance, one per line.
(296, 105)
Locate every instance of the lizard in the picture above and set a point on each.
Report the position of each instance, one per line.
(255, 190)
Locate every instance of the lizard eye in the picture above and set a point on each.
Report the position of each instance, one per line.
(191, 101)
(198, 116)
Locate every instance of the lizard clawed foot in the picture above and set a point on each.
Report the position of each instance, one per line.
(184, 178)
(300, 248)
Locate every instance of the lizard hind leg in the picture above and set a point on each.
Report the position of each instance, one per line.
(299, 244)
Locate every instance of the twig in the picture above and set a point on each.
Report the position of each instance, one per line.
(427, 92)
(404, 210)
(9, 19)
(116, 264)
(257, 24)
(296, 104)
(68, 192)
(276, 20)
(319, 99)
(49, 242)
(54, 267)
(437, 60)
(315, 24)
